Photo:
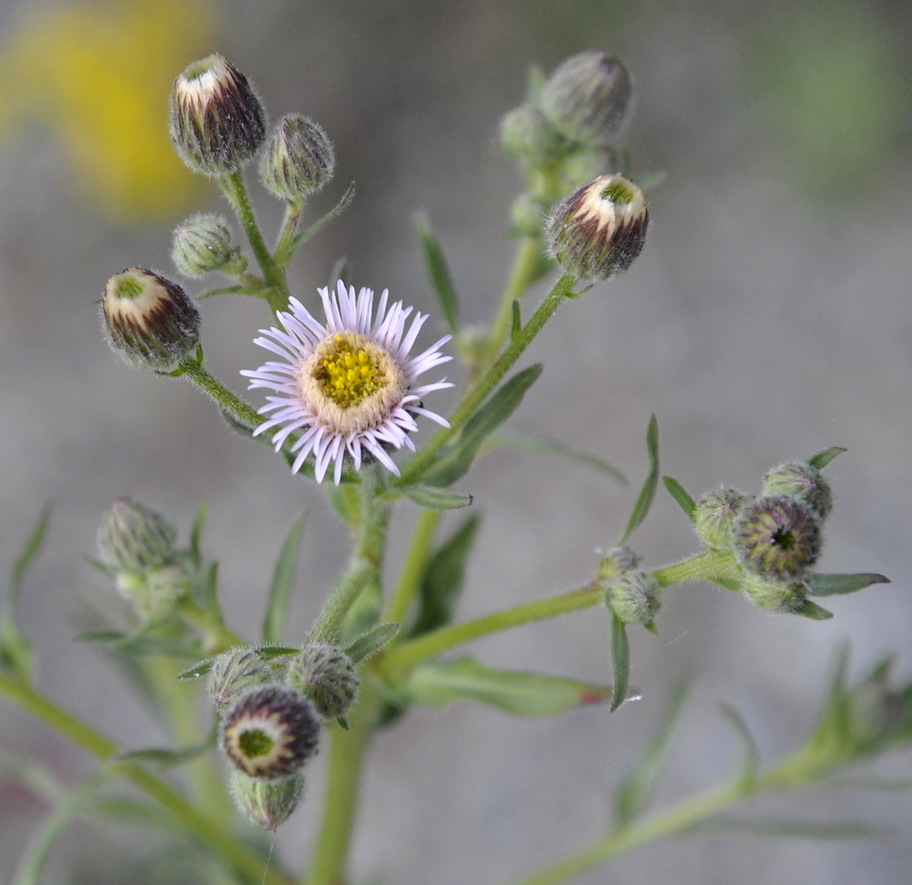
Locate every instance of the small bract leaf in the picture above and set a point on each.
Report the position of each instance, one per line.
(165, 758)
(437, 499)
(620, 661)
(836, 585)
(197, 670)
(371, 642)
(680, 495)
(821, 459)
(647, 493)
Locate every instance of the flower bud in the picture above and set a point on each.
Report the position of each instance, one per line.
(799, 480)
(617, 561)
(235, 672)
(777, 537)
(270, 732)
(634, 597)
(598, 230)
(202, 244)
(775, 596)
(150, 321)
(326, 675)
(156, 592)
(299, 159)
(714, 517)
(527, 134)
(267, 803)
(217, 122)
(589, 98)
(134, 538)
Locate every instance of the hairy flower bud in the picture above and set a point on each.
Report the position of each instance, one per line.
(150, 321)
(156, 592)
(775, 596)
(235, 672)
(299, 159)
(599, 230)
(777, 537)
(202, 244)
(270, 732)
(326, 675)
(714, 517)
(526, 133)
(217, 122)
(267, 803)
(589, 98)
(799, 480)
(634, 597)
(617, 561)
(134, 538)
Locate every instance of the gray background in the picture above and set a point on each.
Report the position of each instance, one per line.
(768, 318)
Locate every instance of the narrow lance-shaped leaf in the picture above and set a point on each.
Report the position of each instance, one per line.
(436, 499)
(165, 758)
(821, 459)
(525, 694)
(546, 446)
(371, 642)
(439, 274)
(751, 764)
(455, 460)
(680, 495)
(620, 661)
(836, 585)
(647, 493)
(281, 589)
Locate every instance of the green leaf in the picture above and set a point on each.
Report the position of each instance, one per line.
(141, 642)
(515, 319)
(635, 789)
(809, 609)
(836, 585)
(751, 764)
(525, 694)
(196, 533)
(371, 642)
(197, 670)
(797, 829)
(282, 258)
(443, 579)
(821, 459)
(439, 273)
(620, 661)
(546, 446)
(165, 758)
(647, 493)
(456, 459)
(281, 589)
(680, 495)
(15, 650)
(436, 499)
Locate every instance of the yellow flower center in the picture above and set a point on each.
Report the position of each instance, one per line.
(350, 372)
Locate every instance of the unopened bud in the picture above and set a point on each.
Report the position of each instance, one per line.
(599, 230)
(617, 561)
(799, 480)
(326, 675)
(526, 133)
(155, 593)
(202, 244)
(714, 517)
(235, 672)
(635, 598)
(299, 159)
(150, 321)
(775, 596)
(134, 538)
(777, 537)
(270, 732)
(589, 98)
(267, 803)
(217, 122)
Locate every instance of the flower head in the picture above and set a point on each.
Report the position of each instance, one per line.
(346, 385)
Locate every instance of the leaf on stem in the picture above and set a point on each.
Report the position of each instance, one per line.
(437, 499)
(515, 319)
(821, 459)
(647, 493)
(620, 661)
(166, 758)
(680, 496)
(371, 642)
(437, 683)
(439, 273)
(281, 589)
(546, 446)
(836, 585)
(454, 461)
(284, 256)
(636, 788)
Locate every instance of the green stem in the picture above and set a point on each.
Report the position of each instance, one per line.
(708, 566)
(220, 841)
(216, 636)
(477, 394)
(223, 397)
(413, 568)
(235, 189)
(346, 762)
(431, 644)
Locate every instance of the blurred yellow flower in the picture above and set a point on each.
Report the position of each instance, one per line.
(97, 76)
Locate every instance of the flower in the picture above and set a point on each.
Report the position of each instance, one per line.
(347, 385)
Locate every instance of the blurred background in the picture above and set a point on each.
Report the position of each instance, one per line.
(768, 318)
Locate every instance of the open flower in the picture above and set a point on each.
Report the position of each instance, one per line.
(347, 386)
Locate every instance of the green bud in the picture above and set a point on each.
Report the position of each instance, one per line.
(217, 122)
(269, 732)
(134, 538)
(150, 321)
(589, 98)
(299, 159)
(235, 672)
(326, 675)
(617, 561)
(714, 517)
(778, 538)
(155, 593)
(527, 134)
(799, 480)
(202, 244)
(635, 598)
(775, 596)
(267, 803)
(598, 230)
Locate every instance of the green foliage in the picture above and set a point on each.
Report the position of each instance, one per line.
(680, 496)
(281, 588)
(647, 493)
(438, 272)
